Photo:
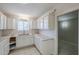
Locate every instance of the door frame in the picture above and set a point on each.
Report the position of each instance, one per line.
(56, 24)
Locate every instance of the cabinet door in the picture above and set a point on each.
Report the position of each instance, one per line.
(2, 22)
(0, 49)
(27, 41)
(22, 41)
(51, 21)
(48, 47)
(45, 22)
(40, 23)
(19, 41)
(38, 42)
(6, 49)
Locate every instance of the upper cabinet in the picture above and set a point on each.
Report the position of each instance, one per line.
(2, 21)
(7, 22)
(51, 21)
(11, 23)
(46, 22)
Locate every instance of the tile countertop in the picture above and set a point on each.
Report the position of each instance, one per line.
(43, 37)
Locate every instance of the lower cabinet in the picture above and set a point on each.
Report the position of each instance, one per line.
(22, 41)
(46, 47)
(4, 47)
(1, 50)
(37, 42)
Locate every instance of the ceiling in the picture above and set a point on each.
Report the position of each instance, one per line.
(27, 9)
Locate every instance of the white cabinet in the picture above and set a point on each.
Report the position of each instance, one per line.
(6, 49)
(2, 22)
(4, 46)
(37, 42)
(45, 46)
(1, 50)
(46, 22)
(7, 22)
(24, 40)
(11, 23)
(51, 21)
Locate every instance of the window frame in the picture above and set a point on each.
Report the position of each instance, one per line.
(23, 31)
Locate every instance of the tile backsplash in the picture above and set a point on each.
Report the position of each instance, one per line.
(35, 31)
(49, 33)
(8, 32)
(0, 32)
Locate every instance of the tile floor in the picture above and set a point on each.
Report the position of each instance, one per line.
(25, 51)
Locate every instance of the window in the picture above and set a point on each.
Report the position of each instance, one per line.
(23, 26)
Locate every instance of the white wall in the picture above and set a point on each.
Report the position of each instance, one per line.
(64, 8)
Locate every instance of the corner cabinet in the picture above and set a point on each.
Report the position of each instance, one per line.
(3, 22)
